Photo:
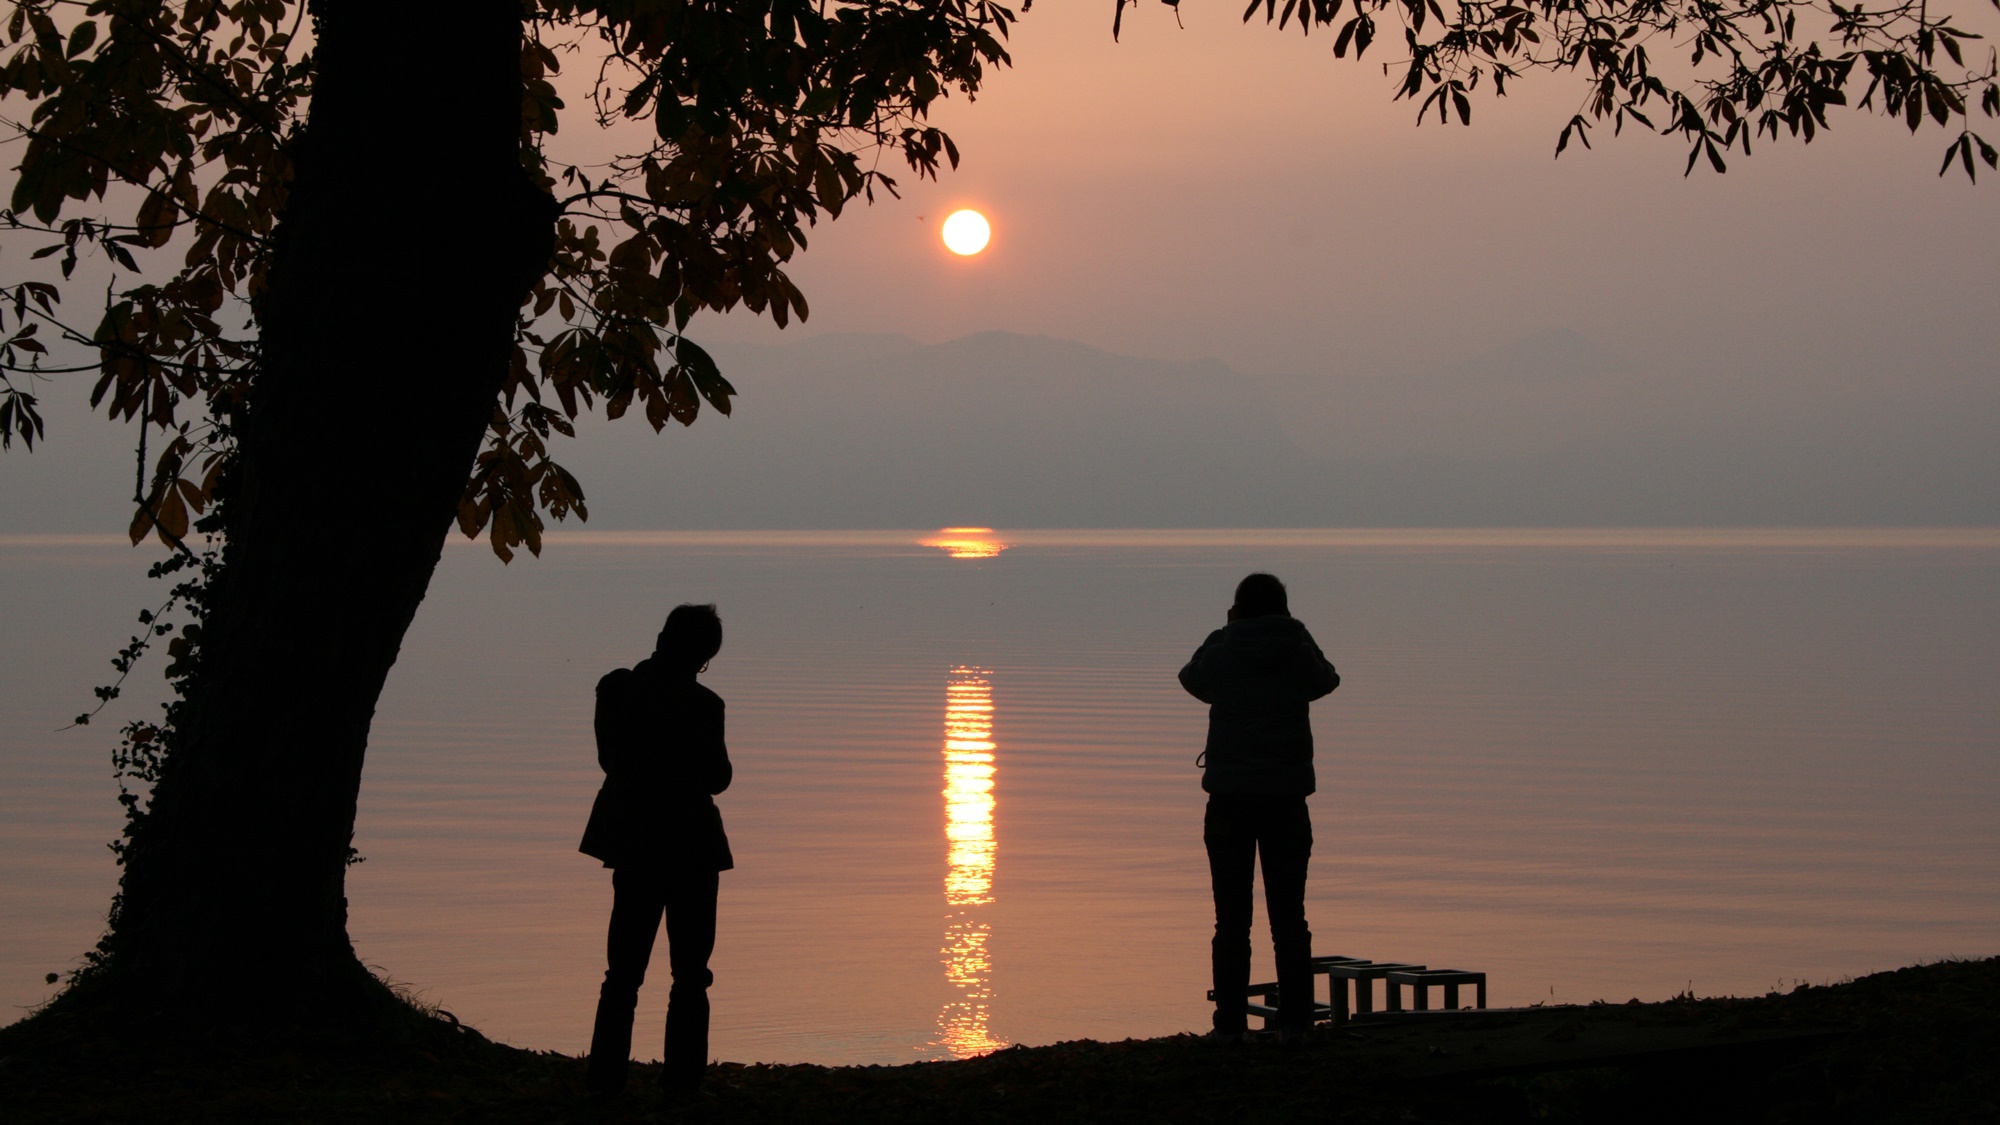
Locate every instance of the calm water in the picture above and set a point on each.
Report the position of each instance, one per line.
(1594, 765)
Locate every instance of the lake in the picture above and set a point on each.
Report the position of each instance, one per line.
(1592, 764)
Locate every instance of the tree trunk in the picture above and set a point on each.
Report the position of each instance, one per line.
(411, 237)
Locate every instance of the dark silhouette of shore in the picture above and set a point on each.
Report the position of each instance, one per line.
(1916, 1044)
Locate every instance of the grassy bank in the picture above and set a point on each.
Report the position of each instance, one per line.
(1919, 1045)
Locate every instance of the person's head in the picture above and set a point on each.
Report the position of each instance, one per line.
(690, 638)
(1260, 595)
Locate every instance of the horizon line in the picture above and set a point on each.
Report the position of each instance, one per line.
(1697, 537)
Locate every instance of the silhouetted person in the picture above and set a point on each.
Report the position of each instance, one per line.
(1259, 674)
(655, 824)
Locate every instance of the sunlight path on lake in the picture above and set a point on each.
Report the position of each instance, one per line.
(968, 881)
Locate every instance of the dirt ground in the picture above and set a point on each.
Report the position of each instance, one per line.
(1917, 1045)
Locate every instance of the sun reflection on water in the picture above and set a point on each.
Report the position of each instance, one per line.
(968, 881)
(965, 542)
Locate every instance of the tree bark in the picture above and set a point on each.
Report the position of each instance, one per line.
(410, 239)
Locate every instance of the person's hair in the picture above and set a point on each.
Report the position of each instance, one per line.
(1261, 595)
(691, 637)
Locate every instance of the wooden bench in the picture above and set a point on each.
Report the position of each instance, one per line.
(1420, 982)
(1394, 975)
(1340, 970)
(1264, 1004)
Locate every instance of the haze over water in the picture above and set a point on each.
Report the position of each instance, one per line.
(966, 814)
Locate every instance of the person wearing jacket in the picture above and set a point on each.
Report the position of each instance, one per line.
(1259, 675)
(655, 824)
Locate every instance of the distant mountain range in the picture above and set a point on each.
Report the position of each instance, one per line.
(1021, 431)
(1008, 430)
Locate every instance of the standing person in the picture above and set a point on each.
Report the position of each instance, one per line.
(655, 824)
(1259, 675)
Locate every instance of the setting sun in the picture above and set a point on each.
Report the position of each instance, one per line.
(966, 232)
(966, 542)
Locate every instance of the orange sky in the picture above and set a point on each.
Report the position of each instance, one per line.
(1235, 191)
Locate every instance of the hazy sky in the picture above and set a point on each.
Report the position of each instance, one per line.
(1234, 192)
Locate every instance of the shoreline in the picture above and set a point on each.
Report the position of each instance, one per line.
(1916, 1044)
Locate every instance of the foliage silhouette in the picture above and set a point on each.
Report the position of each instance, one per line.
(1755, 68)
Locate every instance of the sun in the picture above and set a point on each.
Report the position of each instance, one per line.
(966, 232)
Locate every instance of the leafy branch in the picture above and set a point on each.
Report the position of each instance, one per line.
(1745, 68)
(745, 158)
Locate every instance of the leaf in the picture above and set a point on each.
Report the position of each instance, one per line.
(1581, 128)
(216, 465)
(502, 535)
(192, 494)
(470, 517)
(820, 101)
(632, 254)
(827, 186)
(157, 218)
(80, 38)
(18, 417)
(142, 522)
(172, 520)
(707, 377)
(1950, 151)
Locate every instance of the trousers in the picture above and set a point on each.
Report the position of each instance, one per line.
(1238, 830)
(640, 898)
